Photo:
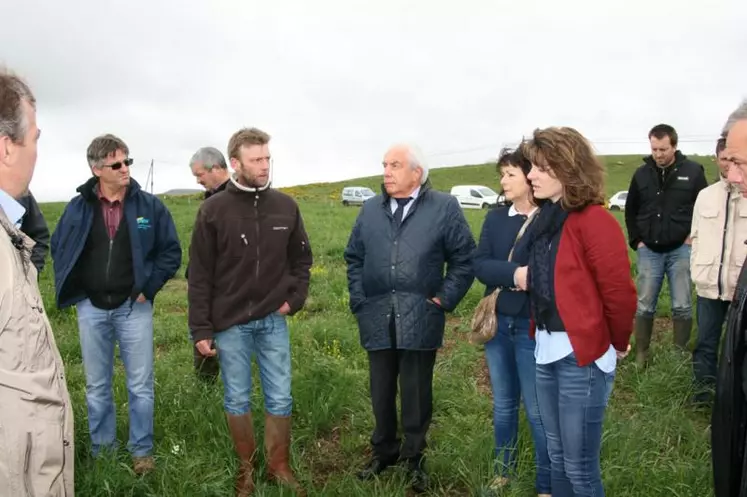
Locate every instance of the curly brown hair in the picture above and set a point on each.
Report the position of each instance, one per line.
(570, 158)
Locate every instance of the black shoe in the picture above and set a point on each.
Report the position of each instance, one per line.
(419, 480)
(374, 468)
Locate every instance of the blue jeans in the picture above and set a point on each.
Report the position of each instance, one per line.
(510, 358)
(711, 317)
(131, 325)
(652, 267)
(269, 340)
(572, 402)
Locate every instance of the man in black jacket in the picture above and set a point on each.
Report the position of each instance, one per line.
(658, 216)
(35, 226)
(396, 255)
(209, 167)
(729, 422)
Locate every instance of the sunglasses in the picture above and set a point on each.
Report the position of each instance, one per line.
(118, 165)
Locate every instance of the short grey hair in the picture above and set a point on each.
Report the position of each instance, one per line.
(102, 147)
(416, 158)
(209, 157)
(13, 92)
(740, 114)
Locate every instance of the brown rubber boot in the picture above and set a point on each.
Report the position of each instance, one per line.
(277, 443)
(681, 332)
(242, 432)
(644, 326)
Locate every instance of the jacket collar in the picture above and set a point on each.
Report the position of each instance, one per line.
(679, 158)
(425, 187)
(88, 190)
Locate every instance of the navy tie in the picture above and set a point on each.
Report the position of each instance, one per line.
(399, 212)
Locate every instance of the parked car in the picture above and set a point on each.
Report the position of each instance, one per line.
(617, 201)
(356, 195)
(477, 196)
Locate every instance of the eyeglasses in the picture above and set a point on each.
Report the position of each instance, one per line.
(118, 165)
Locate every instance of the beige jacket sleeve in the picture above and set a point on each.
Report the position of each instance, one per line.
(694, 238)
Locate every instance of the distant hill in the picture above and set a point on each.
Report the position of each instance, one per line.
(182, 191)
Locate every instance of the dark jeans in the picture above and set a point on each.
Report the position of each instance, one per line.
(572, 402)
(711, 315)
(510, 358)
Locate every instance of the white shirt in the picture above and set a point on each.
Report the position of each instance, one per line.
(14, 211)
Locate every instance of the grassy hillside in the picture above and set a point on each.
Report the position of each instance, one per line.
(654, 444)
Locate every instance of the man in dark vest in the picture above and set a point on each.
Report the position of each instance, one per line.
(113, 249)
(658, 216)
(209, 167)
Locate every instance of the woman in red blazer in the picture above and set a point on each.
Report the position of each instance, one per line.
(583, 302)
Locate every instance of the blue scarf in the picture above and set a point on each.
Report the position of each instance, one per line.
(547, 224)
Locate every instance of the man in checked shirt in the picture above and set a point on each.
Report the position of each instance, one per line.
(114, 248)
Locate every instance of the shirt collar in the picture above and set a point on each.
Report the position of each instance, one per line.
(103, 198)
(513, 212)
(413, 196)
(12, 208)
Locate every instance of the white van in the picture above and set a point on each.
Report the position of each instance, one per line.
(476, 196)
(356, 195)
(617, 201)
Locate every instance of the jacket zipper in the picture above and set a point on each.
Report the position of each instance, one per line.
(723, 247)
(256, 226)
(108, 268)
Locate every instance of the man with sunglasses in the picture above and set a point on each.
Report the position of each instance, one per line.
(113, 249)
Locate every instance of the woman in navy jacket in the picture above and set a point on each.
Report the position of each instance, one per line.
(583, 303)
(510, 354)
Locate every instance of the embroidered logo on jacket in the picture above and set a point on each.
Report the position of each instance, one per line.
(143, 223)
(279, 228)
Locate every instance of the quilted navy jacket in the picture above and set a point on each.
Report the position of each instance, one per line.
(399, 270)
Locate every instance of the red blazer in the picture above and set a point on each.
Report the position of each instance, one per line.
(594, 290)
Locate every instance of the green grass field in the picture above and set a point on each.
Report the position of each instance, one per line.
(654, 443)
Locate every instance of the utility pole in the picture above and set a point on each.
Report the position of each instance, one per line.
(150, 177)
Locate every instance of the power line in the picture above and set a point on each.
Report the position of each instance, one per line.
(608, 141)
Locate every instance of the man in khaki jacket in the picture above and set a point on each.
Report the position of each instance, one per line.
(36, 418)
(719, 231)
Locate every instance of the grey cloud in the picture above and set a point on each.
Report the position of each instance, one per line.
(335, 84)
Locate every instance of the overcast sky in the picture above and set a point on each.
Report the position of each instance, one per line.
(336, 82)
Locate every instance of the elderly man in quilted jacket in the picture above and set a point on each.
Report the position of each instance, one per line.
(399, 294)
